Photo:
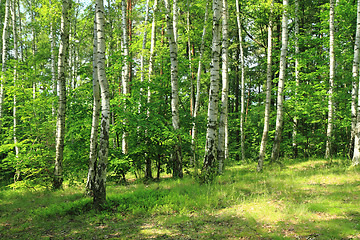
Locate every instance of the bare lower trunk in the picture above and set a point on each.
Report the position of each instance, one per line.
(280, 97)
(225, 86)
(60, 124)
(355, 116)
(176, 155)
(268, 95)
(210, 158)
(99, 189)
(331, 82)
(95, 120)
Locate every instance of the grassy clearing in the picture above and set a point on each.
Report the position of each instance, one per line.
(307, 200)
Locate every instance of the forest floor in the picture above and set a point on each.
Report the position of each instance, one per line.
(313, 199)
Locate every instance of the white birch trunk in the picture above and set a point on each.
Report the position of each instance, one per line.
(142, 60)
(60, 123)
(331, 82)
(125, 70)
(175, 20)
(5, 36)
(242, 66)
(355, 116)
(225, 86)
(95, 120)
(13, 8)
(198, 85)
(176, 155)
(280, 96)
(210, 158)
(297, 83)
(268, 94)
(100, 178)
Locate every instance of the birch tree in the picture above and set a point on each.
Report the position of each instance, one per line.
(99, 189)
(268, 93)
(95, 119)
(125, 69)
(242, 66)
(198, 84)
(355, 116)
(148, 171)
(223, 123)
(13, 10)
(331, 81)
(176, 155)
(297, 82)
(211, 158)
(60, 123)
(5, 36)
(280, 95)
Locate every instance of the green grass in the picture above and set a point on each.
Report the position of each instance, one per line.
(304, 200)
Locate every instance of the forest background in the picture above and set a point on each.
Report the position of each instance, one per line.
(311, 70)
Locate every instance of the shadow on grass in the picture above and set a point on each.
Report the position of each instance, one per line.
(297, 202)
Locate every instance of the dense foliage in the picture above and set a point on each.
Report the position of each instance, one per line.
(148, 123)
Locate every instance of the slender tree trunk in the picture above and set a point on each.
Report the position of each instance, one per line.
(125, 71)
(242, 66)
(144, 42)
(331, 82)
(198, 86)
(53, 64)
(268, 94)
(297, 82)
(225, 88)
(100, 178)
(176, 155)
(355, 118)
(13, 7)
(175, 20)
(95, 119)
(62, 63)
(211, 158)
(5, 36)
(148, 167)
(280, 96)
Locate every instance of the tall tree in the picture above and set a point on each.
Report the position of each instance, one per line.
(5, 36)
(53, 64)
(198, 85)
(95, 119)
(297, 81)
(268, 92)
(60, 123)
(99, 189)
(125, 70)
(329, 130)
(242, 67)
(280, 97)
(176, 155)
(211, 158)
(355, 118)
(14, 23)
(223, 123)
(148, 171)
